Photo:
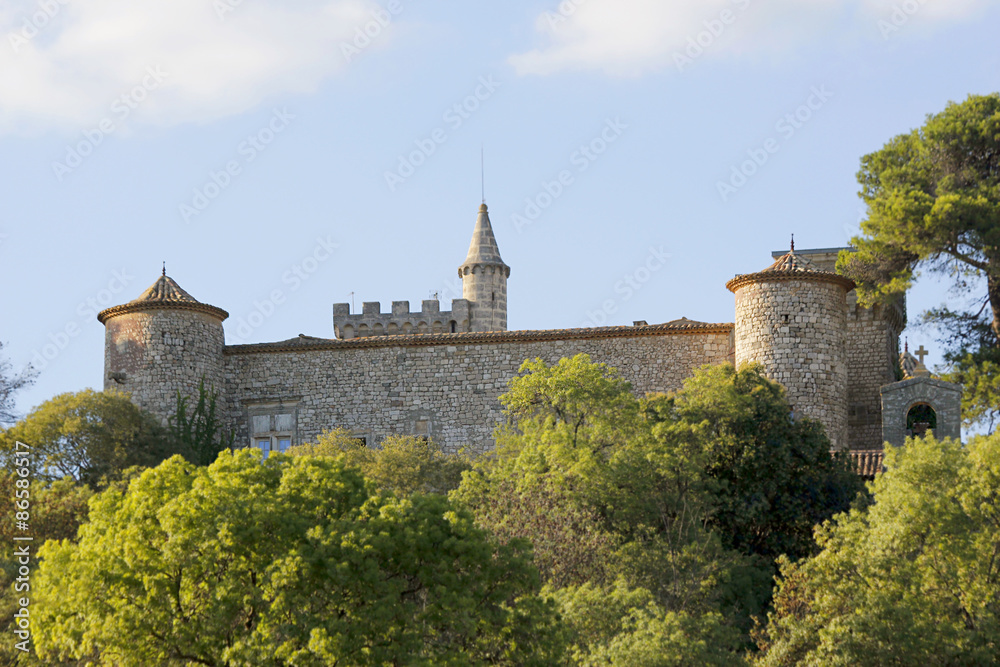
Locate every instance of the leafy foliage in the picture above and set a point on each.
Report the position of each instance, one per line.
(688, 497)
(619, 625)
(400, 464)
(933, 198)
(200, 436)
(293, 560)
(92, 437)
(914, 579)
(56, 511)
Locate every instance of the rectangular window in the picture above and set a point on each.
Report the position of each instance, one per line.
(284, 443)
(264, 445)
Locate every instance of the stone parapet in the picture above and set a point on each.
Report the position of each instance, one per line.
(400, 321)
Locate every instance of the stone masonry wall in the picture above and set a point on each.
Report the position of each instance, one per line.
(156, 353)
(796, 328)
(486, 287)
(872, 339)
(446, 391)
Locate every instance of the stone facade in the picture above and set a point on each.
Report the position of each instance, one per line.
(442, 386)
(430, 319)
(899, 398)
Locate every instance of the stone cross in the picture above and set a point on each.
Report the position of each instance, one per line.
(922, 353)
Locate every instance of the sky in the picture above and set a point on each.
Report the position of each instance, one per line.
(284, 156)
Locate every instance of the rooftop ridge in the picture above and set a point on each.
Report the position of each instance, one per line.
(302, 342)
(164, 294)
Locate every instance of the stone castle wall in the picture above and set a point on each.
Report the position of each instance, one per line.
(796, 328)
(872, 350)
(438, 386)
(156, 353)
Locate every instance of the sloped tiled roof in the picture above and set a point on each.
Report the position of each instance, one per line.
(790, 266)
(164, 294)
(483, 248)
(302, 342)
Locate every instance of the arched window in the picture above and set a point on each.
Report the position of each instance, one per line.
(920, 418)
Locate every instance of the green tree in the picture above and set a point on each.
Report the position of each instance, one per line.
(56, 512)
(690, 496)
(933, 200)
(913, 579)
(400, 464)
(200, 435)
(602, 495)
(90, 436)
(618, 625)
(776, 478)
(293, 560)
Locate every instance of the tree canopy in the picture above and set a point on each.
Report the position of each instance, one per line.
(914, 579)
(933, 203)
(90, 436)
(687, 497)
(401, 464)
(293, 560)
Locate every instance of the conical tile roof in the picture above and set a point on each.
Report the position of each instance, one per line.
(165, 293)
(483, 248)
(164, 290)
(789, 266)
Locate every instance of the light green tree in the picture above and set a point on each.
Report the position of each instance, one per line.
(912, 580)
(289, 561)
(400, 464)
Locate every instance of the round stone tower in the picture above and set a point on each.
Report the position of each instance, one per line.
(484, 278)
(792, 318)
(163, 342)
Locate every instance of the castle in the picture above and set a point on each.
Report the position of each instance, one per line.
(438, 374)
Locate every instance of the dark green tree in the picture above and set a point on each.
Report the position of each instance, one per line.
(933, 200)
(200, 436)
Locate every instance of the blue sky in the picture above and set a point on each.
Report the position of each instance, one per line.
(281, 156)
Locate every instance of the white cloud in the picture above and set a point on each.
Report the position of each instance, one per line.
(84, 54)
(630, 37)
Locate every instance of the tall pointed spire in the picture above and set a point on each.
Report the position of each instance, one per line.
(483, 249)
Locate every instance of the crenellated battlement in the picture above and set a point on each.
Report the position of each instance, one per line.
(400, 321)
